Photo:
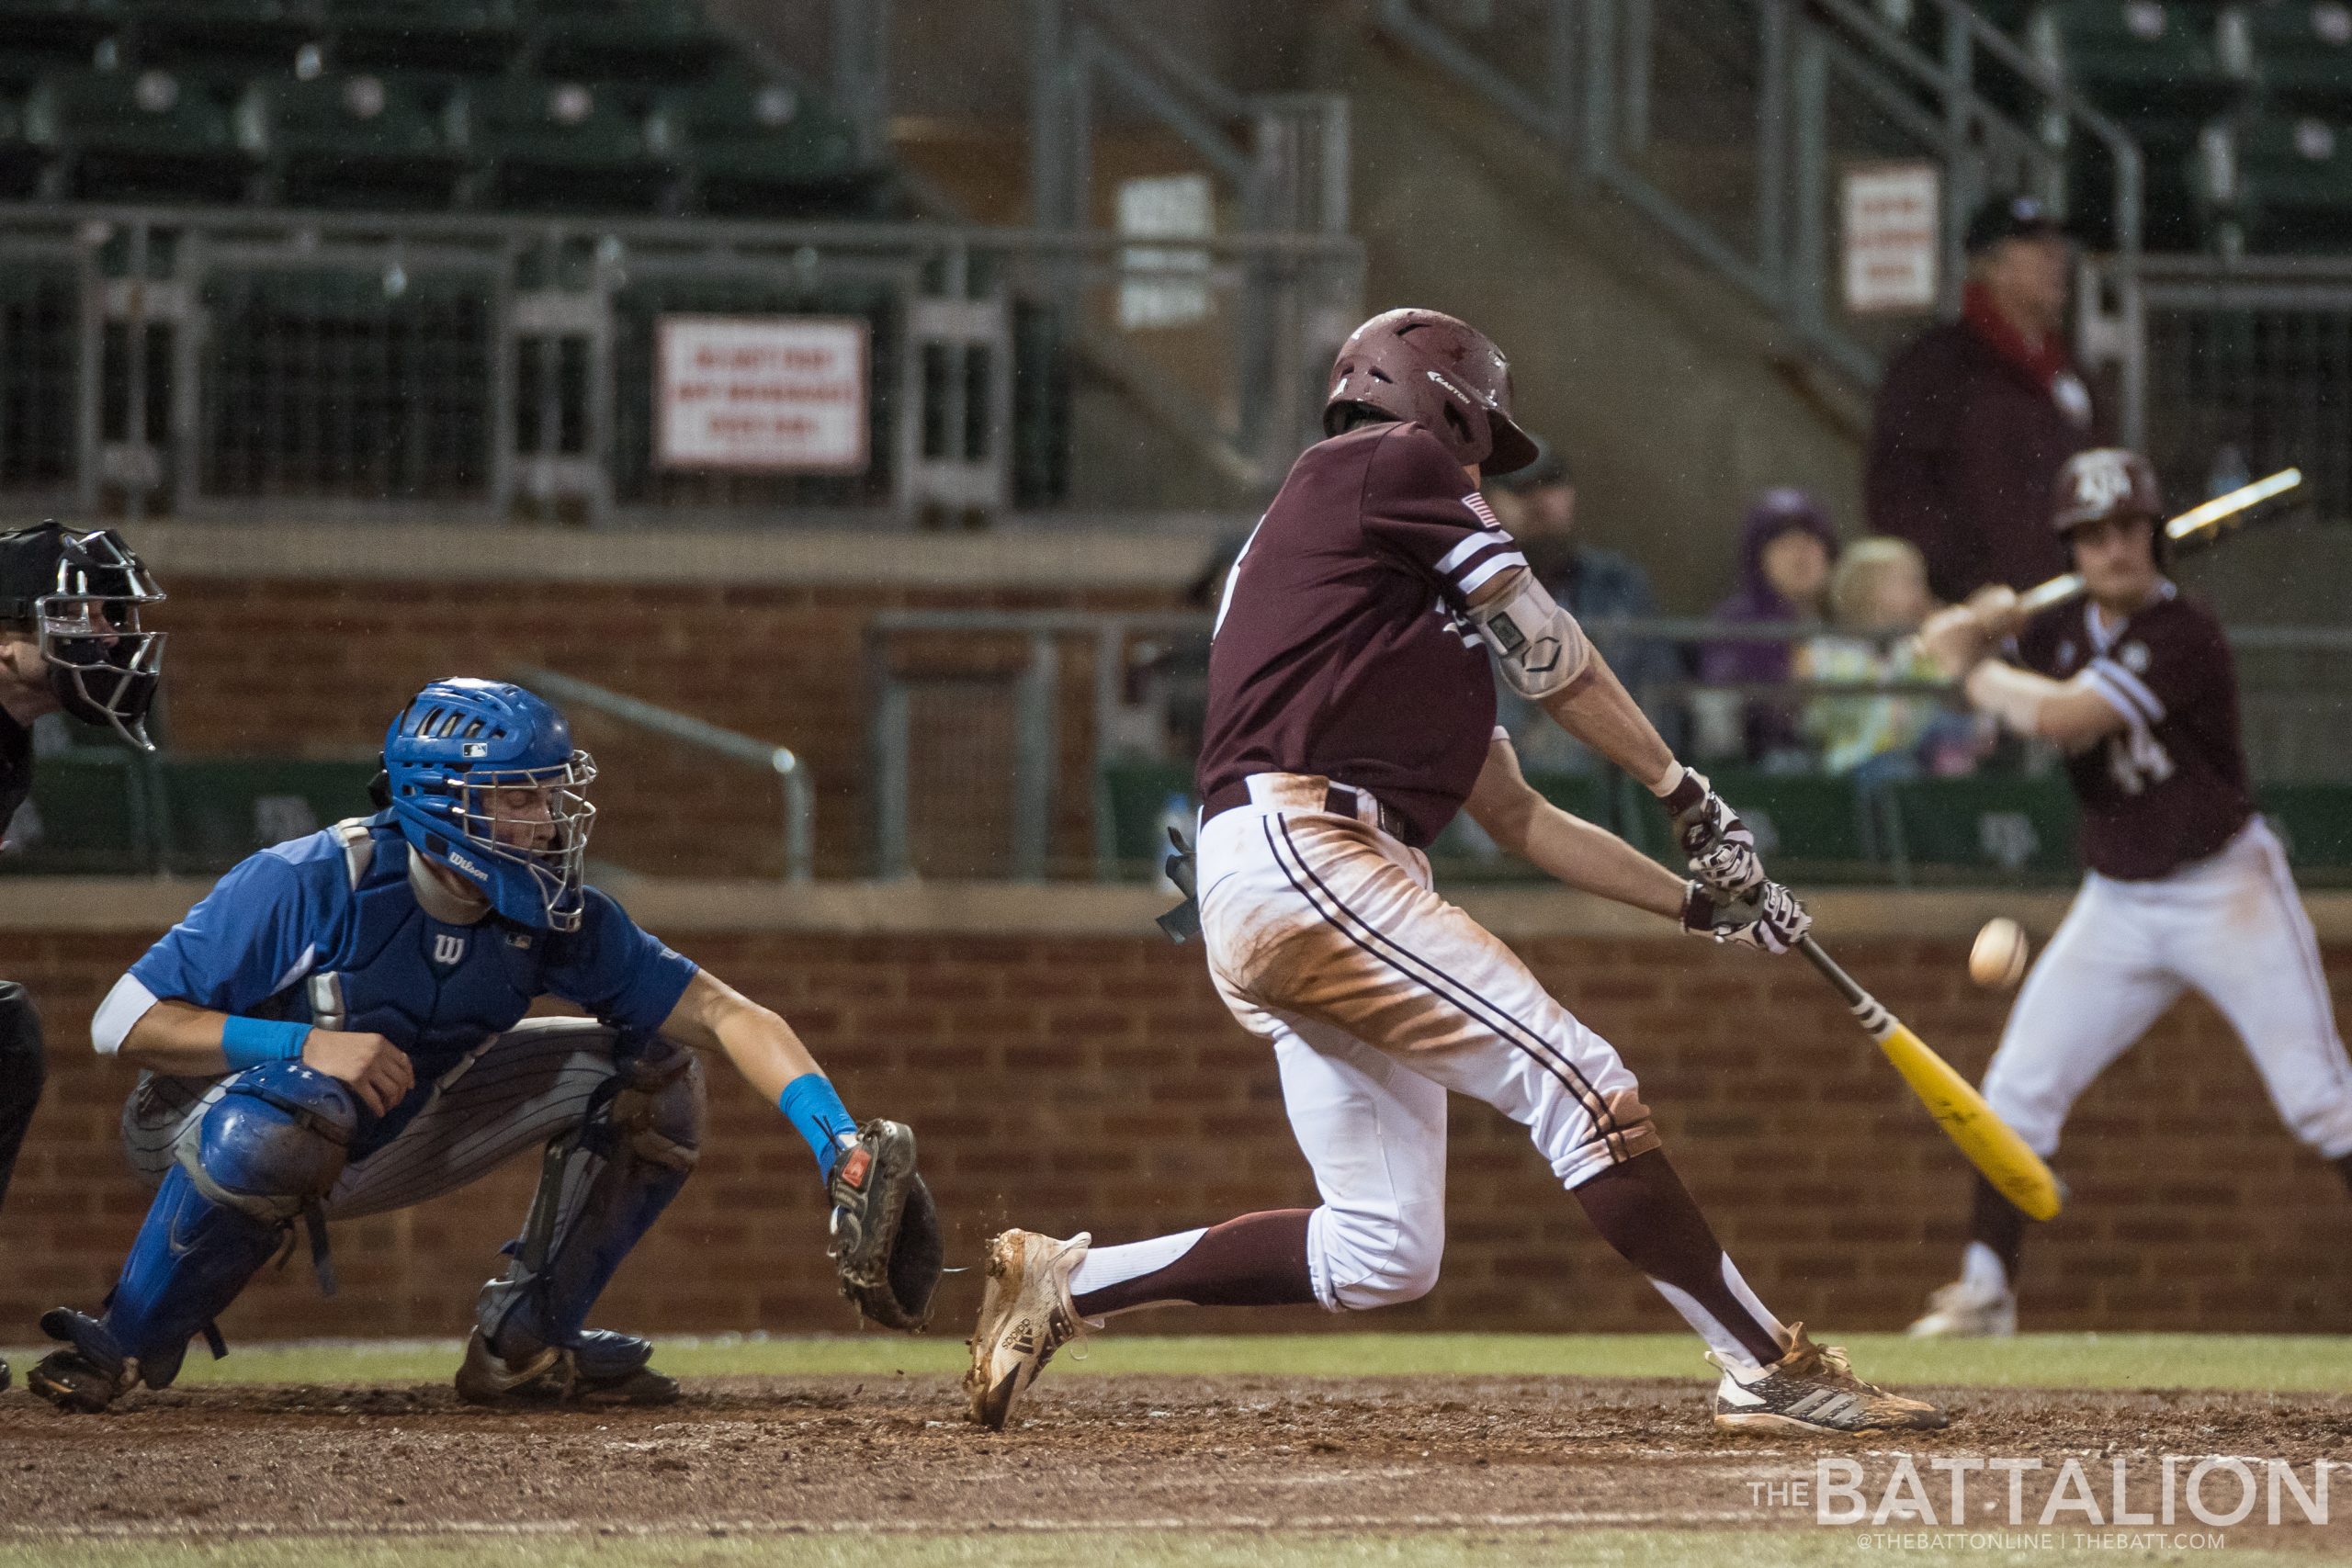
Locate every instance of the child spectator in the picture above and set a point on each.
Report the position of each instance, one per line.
(1879, 597)
(1785, 550)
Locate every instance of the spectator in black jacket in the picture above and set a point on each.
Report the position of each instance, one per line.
(1975, 418)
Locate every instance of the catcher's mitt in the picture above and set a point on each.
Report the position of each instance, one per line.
(887, 1244)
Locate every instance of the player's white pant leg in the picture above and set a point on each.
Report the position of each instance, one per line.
(1320, 919)
(1374, 1131)
(2236, 928)
(2095, 988)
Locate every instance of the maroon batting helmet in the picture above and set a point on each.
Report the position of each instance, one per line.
(2106, 482)
(1441, 374)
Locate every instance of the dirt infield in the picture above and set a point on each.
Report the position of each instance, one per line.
(851, 1455)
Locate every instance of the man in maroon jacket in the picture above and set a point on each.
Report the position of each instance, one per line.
(1975, 418)
(1351, 714)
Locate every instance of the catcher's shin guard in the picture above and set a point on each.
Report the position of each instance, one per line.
(600, 1187)
(268, 1149)
(24, 1068)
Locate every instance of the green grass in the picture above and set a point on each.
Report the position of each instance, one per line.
(1107, 1549)
(2275, 1363)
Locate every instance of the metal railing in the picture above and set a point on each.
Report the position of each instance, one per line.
(1727, 122)
(226, 362)
(792, 775)
(1281, 159)
(2230, 365)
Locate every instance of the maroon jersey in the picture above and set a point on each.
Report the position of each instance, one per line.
(2171, 787)
(1341, 648)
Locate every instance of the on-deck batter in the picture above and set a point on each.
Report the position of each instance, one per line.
(1351, 706)
(2187, 887)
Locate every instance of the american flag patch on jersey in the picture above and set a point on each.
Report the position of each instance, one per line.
(1477, 504)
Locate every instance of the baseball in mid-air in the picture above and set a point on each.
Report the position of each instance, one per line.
(1997, 960)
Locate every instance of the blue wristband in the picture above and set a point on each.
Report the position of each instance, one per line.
(817, 1113)
(250, 1042)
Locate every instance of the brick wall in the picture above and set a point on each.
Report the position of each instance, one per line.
(1097, 1082)
(304, 668)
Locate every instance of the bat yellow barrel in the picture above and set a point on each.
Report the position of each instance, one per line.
(1991, 1144)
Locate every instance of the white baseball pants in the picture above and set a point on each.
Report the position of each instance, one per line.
(2232, 927)
(1325, 940)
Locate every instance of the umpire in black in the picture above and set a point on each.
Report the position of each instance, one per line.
(71, 642)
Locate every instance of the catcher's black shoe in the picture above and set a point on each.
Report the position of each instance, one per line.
(89, 1372)
(602, 1368)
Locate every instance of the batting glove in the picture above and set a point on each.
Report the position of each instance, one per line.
(1768, 918)
(1721, 848)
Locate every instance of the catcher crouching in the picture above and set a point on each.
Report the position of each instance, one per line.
(338, 1030)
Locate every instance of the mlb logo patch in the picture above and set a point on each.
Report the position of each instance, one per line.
(474, 749)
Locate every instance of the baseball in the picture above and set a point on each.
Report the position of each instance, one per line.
(1997, 961)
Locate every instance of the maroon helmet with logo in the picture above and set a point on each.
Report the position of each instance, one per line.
(1438, 372)
(2106, 482)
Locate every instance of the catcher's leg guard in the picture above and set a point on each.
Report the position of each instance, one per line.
(268, 1149)
(601, 1188)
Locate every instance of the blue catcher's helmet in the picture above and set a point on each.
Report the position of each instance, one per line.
(483, 779)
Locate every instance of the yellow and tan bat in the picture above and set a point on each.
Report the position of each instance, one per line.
(1991, 1144)
(2200, 522)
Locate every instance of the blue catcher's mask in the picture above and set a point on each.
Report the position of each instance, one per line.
(483, 779)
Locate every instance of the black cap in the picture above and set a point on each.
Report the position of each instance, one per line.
(1548, 467)
(2012, 217)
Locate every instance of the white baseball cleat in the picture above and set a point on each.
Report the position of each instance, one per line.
(1025, 1316)
(1968, 1310)
(1814, 1389)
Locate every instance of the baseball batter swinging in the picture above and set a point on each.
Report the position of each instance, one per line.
(2187, 887)
(1351, 706)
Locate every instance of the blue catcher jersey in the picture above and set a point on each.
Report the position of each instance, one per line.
(325, 929)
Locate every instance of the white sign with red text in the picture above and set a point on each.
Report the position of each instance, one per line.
(1892, 218)
(765, 393)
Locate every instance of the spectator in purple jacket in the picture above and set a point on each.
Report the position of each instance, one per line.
(1786, 548)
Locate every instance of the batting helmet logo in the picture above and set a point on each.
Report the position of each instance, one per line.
(2107, 482)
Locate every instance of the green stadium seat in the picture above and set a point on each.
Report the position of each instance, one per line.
(1133, 804)
(563, 147)
(22, 161)
(185, 35)
(2315, 822)
(41, 36)
(352, 141)
(761, 149)
(625, 41)
(466, 38)
(2140, 60)
(2302, 53)
(2293, 184)
(89, 815)
(136, 136)
(2006, 827)
(2153, 66)
(216, 811)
